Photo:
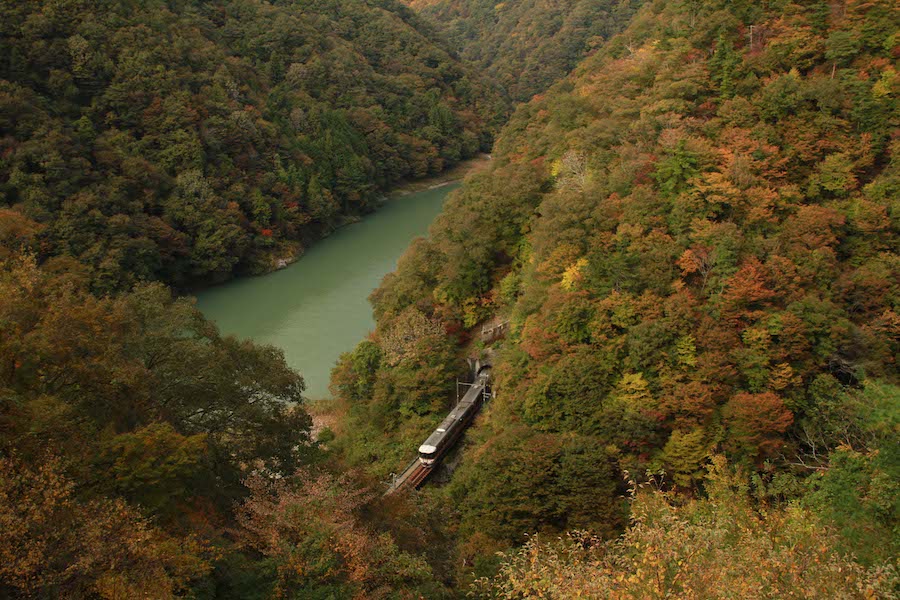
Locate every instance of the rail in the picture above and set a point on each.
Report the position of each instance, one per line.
(413, 476)
(415, 473)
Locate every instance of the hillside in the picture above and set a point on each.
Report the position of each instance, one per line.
(188, 141)
(692, 231)
(525, 47)
(180, 143)
(695, 238)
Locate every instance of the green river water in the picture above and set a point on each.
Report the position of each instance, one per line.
(317, 308)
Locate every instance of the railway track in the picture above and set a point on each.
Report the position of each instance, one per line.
(412, 477)
(445, 436)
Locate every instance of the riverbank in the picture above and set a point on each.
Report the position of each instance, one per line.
(318, 308)
(449, 176)
(291, 252)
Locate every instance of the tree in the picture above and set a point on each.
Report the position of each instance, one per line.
(526, 482)
(746, 294)
(307, 526)
(571, 394)
(674, 171)
(152, 466)
(705, 548)
(55, 543)
(723, 66)
(142, 388)
(685, 455)
(756, 423)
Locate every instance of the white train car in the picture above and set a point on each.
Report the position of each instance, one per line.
(445, 436)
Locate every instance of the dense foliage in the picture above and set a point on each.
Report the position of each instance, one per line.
(126, 427)
(720, 547)
(527, 45)
(694, 237)
(186, 141)
(143, 454)
(393, 388)
(310, 529)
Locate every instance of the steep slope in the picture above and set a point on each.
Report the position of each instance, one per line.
(695, 237)
(526, 46)
(185, 141)
(709, 549)
(144, 455)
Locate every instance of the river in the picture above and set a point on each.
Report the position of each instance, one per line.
(317, 308)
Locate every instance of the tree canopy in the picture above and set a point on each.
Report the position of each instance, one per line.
(528, 45)
(694, 237)
(187, 141)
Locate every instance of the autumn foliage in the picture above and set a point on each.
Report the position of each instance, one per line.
(694, 238)
(310, 526)
(715, 548)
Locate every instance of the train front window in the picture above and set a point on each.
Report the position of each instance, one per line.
(426, 450)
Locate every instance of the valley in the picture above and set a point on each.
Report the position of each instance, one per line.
(688, 229)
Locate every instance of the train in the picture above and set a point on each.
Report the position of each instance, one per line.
(446, 434)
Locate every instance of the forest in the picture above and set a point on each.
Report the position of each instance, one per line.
(525, 46)
(690, 222)
(694, 237)
(185, 142)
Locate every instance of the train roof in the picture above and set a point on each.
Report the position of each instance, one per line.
(474, 392)
(475, 389)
